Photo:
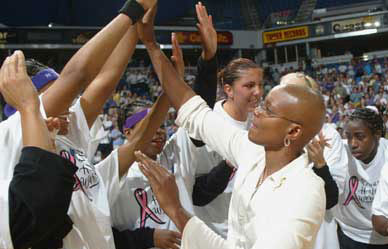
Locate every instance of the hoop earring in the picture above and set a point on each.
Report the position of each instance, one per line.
(287, 142)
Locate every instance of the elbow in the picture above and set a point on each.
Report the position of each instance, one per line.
(380, 224)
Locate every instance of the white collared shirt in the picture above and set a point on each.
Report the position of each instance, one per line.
(284, 212)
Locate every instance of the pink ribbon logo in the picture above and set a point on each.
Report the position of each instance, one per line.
(78, 185)
(353, 185)
(145, 211)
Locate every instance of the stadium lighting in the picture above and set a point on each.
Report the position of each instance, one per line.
(356, 33)
(367, 24)
(377, 24)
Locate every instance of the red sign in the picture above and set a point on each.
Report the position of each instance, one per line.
(188, 38)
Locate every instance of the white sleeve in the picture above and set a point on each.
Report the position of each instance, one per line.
(380, 202)
(79, 132)
(336, 156)
(197, 235)
(5, 234)
(109, 172)
(202, 123)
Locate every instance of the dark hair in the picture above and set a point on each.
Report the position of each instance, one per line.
(373, 120)
(232, 71)
(123, 113)
(128, 110)
(33, 67)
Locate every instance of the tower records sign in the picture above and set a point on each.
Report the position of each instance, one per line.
(355, 24)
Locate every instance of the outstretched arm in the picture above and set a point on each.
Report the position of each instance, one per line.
(174, 86)
(87, 63)
(96, 94)
(205, 84)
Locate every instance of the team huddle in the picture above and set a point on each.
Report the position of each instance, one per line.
(247, 171)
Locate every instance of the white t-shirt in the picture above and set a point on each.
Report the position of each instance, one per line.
(336, 158)
(11, 143)
(357, 192)
(137, 206)
(95, 189)
(380, 202)
(5, 234)
(215, 214)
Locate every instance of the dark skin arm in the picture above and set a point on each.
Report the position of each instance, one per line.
(380, 224)
(179, 92)
(84, 66)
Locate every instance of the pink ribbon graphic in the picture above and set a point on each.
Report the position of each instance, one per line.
(78, 185)
(353, 185)
(145, 211)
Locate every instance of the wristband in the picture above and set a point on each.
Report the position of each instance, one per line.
(133, 9)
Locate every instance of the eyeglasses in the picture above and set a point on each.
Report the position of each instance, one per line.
(261, 108)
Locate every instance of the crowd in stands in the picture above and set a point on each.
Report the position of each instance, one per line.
(347, 86)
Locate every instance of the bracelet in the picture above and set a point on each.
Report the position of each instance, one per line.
(133, 10)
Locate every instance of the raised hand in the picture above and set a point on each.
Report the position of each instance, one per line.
(15, 85)
(147, 4)
(162, 183)
(177, 56)
(315, 150)
(166, 239)
(145, 28)
(207, 32)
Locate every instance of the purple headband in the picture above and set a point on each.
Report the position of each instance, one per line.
(135, 118)
(39, 80)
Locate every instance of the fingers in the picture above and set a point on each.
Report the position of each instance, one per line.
(149, 16)
(174, 246)
(149, 174)
(13, 62)
(21, 62)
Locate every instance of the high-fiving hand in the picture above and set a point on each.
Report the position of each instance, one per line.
(207, 32)
(15, 85)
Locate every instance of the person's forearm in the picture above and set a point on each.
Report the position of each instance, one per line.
(84, 66)
(205, 84)
(180, 217)
(380, 224)
(143, 133)
(34, 129)
(177, 90)
(106, 81)
(331, 188)
(208, 186)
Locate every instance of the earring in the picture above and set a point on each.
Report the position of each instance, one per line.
(287, 142)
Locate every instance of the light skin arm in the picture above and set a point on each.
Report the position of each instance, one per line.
(178, 92)
(86, 64)
(96, 94)
(18, 91)
(142, 134)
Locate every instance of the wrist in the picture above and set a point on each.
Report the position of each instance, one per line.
(320, 164)
(152, 45)
(135, 10)
(29, 108)
(180, 217)
(207, 56)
